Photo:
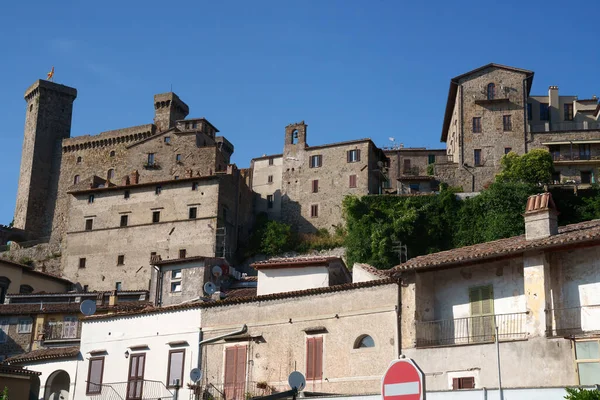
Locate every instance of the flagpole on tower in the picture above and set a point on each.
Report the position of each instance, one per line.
(51, 75)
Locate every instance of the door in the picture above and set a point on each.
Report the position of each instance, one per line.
(482, 314)
(235, 372)
(135, 379)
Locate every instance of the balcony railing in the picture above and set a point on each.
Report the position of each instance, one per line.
(574, 157)
(563, 126)
(62, 330)
(573, 320)
(470, 330)
(241, 391)
(150, 390)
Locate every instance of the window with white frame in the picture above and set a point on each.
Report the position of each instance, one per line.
(587, 359)
(24, 325)
(176, 274)
(175, 287)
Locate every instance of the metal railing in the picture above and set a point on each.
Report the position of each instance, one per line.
(150, 390)
(62, 330)
(469, 330)
(239, 391)
(573, 320)
(574, 157)
(563, 126)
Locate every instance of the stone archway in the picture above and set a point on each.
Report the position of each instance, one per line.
(57, 386)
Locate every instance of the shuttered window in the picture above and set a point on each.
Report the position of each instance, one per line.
(95, 373)
(463, 383)
(175, 368)
(481, 299)
(235, 372)
(135, 378)
(314, 358)
(315, 186)
(352, 181)
(353, 155)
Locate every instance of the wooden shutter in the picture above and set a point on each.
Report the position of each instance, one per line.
(455, 383)
(468, 383)
(352, 181)
(135, 380)
(314, 358)
(315, 185)
(235, 372)
(348, 156)
(482, 313)
(358, 155)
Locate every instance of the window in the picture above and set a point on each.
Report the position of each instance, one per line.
(295, 136)
(124, 220)
(491, 91)
(4, 284)
(507, 123)
(316, 161)
(225, 213)
(477, 157)
(568, 112)
(507, 150)
(89, 223)
(386, 184)
(314, 358)
(175, 287)
(176, 274)
(187, 125)
(178, 158)
(150, 159)
(352, 181)
(167, 139)
(4, 325)
(194, 125)
(270, 179)
(556, 177)
(463, 383)
(182, 253)
(315, 186)
(269, 201)
(112, 153)
(82, 263)
(431, 159)
(24, 325)
(544, 112)
(91, 198)
(192, 212)
(235, 372)
(158, 190)
(25, 289)
(194, 186)
(587, 360)
(314, 210)
(110, 174)
(353, 155)
(118, 286)
(529, 111)
(126, 194)
(175, 368)
(555, 151)
(414, 187)
(95, 373)
(271, 161)
(155, 216)
(585, 152)
(135, 377)
(79, 160)
(364, 341)
(481, 299)
(121, 259)
(75, 179)
(586, 176)
(477, 125)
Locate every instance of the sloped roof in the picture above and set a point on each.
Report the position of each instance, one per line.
(31, 270)
(14, 370)
(44, 354)
(53, 308)
(293, 262)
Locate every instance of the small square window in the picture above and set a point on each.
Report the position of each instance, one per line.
(352, 181)
(126, 194)
(353, 156)
(175, 287)
(193, 212)
(158, 189)
(121, 259)
(155, 216)
(178, 158)
(82, 263)
(270, 179)
(176, 177)
(269, 201)
(89, 224)
(176, 274)
(124, 220)
(314, 210)
(507, 150)
(463, 383)
(91, 199)
(182, 253)
(167, 140)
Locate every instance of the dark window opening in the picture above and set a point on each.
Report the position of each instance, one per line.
(271, 161)
(112, 153)
(586, 176)
(124, 220)
(91, 198)
(364, 341)
(491, 91)
(556, 177)
(507, 122)
(194, 185)
(353, 155)
(585, 152)
(25, 289)
(118, 286)
(270, 179)
(477, 125)
(507, 150)
(78, 160)
(126, 194)
(316, 161)
(314, 210)
(477, 157)
(110, 174)
(529, 111)
(76, 180)
(89, 223)
(269, 201)
(155, 216)
(150, 159)
(158, 190)
(182, 253)
(194, 125)
(178, 158)
(167, 140)
(121, 259)
(544, 112)
(82, 263)
(431, 159)
(568, 108)
(193, 212)
(315, 186)
(295, 136)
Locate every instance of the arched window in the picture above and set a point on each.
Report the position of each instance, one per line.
(364, 341)
(78, 159)
(491, 91)
(75, 179)
(25, 289)
(112, 153)
(295, 136)
(111, 174)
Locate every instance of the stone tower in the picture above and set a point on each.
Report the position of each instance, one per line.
(168, 108)
(47, 122)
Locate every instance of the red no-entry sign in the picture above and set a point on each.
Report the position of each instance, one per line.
(403, 381)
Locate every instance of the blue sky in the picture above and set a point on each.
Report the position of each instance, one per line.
(350, 69)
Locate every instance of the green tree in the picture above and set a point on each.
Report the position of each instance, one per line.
(582, 394)
(276, 238)
(4, 395)
(534, 168)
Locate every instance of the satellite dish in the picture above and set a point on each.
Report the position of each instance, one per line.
(195, 374)
(88, 307)
(217, 271)
(210, 288)
(297, 381)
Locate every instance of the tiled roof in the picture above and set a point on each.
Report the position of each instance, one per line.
(241, 293)
(90, 293)
(53, 308)
(14, 370)
(415, 178)
(186, 260)
(374, 271)
(44, 354)
(576, 234)
(241, 300)
(292, 262)
(31, 270)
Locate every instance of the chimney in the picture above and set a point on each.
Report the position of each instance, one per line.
(540, 217)
(134, 177)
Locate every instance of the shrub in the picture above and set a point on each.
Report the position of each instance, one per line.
(582, 394)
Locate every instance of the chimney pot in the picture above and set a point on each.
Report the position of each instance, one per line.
(540, 217)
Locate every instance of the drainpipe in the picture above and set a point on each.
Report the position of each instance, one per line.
(398, 316)
(159, 286)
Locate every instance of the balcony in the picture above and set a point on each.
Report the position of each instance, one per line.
(471, 330)
(140, 390)
(573, 321)
(575, 158)
(152, 165)
(563, 126)
(240, 391)
(59, 331)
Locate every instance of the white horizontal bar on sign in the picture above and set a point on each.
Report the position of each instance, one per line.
(401, 389)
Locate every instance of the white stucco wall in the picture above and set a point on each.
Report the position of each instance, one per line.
(117, 335)
(47, 368)
(289, 279)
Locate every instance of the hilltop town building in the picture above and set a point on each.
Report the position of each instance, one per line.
(411, 170)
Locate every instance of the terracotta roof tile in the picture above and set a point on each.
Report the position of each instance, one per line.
(44, 354)
(52, 308)
(582, 233)
(374, 271)
(241, 293)
(292, 262)
(14, 370)
(539, 202)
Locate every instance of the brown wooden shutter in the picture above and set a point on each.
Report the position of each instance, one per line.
(348, 156)
(310, 358)
(455, 383)
(235, 372)
(240, 372)
(468, 383)
(358, 155)
(319, 358)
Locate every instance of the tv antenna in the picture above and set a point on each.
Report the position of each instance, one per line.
(402, 251)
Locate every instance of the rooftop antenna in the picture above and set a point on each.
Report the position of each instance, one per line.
(402, 251)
